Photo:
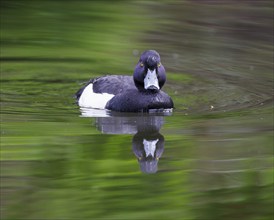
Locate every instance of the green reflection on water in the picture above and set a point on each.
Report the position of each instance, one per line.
(217, 162)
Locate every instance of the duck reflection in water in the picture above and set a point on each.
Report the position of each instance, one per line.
(148, 147)
(147, 142)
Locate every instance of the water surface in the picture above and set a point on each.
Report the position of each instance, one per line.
(212, 158)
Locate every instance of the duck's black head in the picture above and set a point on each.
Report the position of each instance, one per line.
(149, 74)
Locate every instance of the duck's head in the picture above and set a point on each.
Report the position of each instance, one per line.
(149, 73)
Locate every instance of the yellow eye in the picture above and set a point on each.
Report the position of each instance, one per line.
(159, 64)
(141, 64)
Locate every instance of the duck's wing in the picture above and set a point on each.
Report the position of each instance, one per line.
(113, 84)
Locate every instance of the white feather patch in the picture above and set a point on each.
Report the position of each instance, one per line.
(90, 99)
(151, 79)
(150, 147)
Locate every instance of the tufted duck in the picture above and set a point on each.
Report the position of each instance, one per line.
(142, 92)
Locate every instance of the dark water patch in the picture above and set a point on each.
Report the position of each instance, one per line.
(232, 56)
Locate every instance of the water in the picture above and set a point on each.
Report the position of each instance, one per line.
(212, 158)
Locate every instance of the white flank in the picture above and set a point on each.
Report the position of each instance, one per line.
(150, 147)
(151, 79)
(89, 99)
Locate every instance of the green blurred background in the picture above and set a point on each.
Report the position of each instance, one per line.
(218, 158)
